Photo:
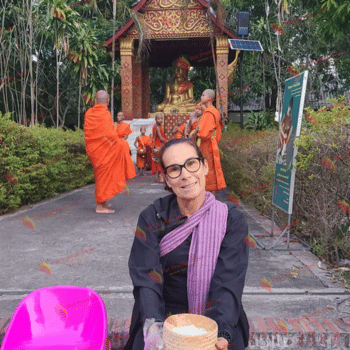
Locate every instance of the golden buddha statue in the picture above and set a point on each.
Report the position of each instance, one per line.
(179, 91)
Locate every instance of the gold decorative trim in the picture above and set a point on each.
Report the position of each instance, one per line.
(169, 4)
(127, 47)
(232, 69)
(222, 45)
(171, 24)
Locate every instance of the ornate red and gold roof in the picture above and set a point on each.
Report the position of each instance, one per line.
(173, 31)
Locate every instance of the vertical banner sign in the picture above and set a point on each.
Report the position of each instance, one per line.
(289, 130)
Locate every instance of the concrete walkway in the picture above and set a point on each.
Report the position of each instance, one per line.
(98, 246)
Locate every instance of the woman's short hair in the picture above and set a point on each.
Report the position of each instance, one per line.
(177, 142)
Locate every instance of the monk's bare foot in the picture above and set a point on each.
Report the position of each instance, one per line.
(104, 208)
(104, 211)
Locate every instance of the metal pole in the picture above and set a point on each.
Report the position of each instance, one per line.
(288, 236)
(286, 230)
(241, 73)
(273, 219)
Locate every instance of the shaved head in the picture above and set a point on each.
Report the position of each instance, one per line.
(210, 93)
(102, 97)
(207, 97)
(120, 117)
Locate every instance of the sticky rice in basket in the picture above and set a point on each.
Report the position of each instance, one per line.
(189, 332)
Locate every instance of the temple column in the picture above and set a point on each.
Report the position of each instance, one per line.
(146, 89)
(127, 76)
(222, 48)
(137, 90)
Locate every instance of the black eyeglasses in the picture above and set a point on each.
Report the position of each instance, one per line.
(192, 165)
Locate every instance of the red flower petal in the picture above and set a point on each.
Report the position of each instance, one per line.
(249, 241)
(140, 233)
(326, 162)
(266, 284)
(281, 327)
(343, 206)
(10, 178)
(155, 276)
(45, 268)
(27, 222)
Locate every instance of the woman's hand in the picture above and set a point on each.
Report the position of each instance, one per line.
(221, 344)
(154, 340)
(153, 334)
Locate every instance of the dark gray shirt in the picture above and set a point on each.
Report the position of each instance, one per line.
(160, 283)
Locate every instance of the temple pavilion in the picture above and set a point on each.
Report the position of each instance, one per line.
(195, 33)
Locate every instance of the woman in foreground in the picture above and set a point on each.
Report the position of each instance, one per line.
(188, 256)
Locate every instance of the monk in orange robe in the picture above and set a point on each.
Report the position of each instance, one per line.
(178, 130)
(209, 132)
(109, 155)
(158, 141)
(142, 142)
(123, 128)
(193, 121)
(188, 127)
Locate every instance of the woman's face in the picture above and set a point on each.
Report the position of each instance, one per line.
(187, 185)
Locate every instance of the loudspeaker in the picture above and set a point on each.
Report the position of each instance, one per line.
(243, 23)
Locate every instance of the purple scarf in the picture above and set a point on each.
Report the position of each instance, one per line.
(209, 226)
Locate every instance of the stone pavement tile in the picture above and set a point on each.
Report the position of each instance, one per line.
(106, 268)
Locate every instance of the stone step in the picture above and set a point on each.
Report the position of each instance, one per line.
(265, 333)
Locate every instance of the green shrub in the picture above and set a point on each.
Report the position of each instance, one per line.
(323, 180)
(36, 163)
(322, 183)
(248, 160)
(260, 120)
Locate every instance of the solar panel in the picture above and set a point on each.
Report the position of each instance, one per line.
(247, 45)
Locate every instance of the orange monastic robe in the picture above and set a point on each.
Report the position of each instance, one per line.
(194, 125)
(123, 129)
(157, 144)
(209, 123)
(142, 142)
(109, 155)
(178, 134)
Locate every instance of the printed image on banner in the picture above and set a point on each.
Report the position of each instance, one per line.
(289, 129)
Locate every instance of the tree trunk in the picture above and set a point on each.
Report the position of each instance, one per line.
(30, 19)
(79, 101)
(113, 59)
(57, 88)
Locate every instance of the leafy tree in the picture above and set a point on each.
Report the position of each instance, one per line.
(333, 16)
(62, 20)
(84, 56)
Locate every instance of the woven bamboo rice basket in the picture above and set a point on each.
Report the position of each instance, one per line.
(176, 341)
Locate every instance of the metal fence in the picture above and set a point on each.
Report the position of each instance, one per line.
(312, 101)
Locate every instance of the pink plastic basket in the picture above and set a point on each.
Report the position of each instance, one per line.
(58, 318)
